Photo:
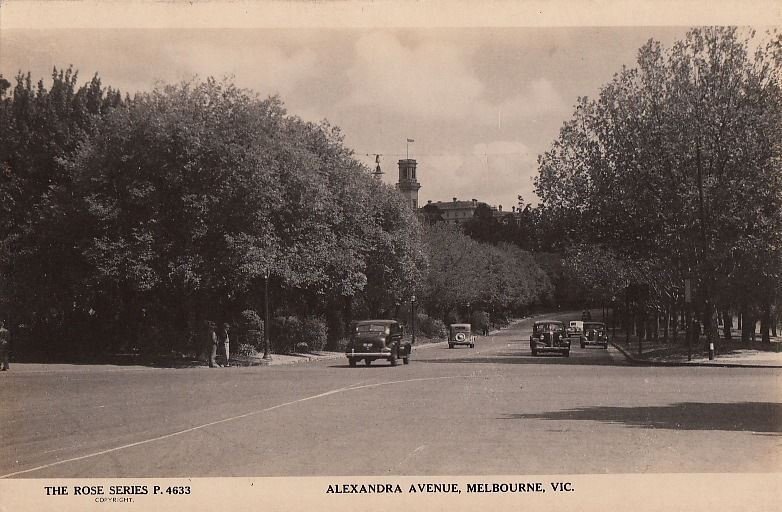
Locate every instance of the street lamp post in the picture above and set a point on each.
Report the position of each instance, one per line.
(266, 322)
(412, 318)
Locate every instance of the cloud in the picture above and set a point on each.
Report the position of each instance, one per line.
(435, 80)
(265, 69)
(495, 172)
(428, 80)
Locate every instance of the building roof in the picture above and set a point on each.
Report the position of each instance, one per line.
(455, 205)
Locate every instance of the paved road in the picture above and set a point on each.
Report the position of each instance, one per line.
(493, 409)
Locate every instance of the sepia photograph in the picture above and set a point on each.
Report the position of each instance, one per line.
(386, 255)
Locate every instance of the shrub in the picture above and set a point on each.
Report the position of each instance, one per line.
(480, 321)
(285, 332)
(342, 344)
(247, 350)
(430, 327)
(250, 329)
(313, 333)
(293, 334)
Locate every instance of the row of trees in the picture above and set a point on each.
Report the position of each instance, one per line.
(131, 220)
(501, 279)
(673, 173)
(128, 221)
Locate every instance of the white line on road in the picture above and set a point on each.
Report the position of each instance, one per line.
(232, 418)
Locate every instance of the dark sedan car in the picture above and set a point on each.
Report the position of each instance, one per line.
(377, 339)
(549, 336)
(594, 333)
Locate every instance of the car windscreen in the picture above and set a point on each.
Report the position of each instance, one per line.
(595, 327)
(549, 327)
(370, 328)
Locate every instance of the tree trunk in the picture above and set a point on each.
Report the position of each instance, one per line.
(666, 322)
(727, 323)
(765, 320)
(745, 325)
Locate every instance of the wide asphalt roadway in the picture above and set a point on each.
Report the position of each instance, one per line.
(489, 410)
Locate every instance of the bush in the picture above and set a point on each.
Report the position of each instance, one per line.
(342, 344)
(250, 329)
(247, 350)
(480, 321)
(292, 334)
(430, 327)
(313, 333)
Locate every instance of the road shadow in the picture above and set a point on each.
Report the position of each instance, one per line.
(763, 418)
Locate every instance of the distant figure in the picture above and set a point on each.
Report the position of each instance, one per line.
(210, 344)
(586, 316)
(222, 336)
(5, 345)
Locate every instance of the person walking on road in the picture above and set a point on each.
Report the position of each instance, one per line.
(211, 344)
(5, 345)
(222, 336)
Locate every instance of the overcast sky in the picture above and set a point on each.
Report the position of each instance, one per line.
(480, 103)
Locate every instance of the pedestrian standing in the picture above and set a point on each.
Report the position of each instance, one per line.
(211, 344)
(222, 336)
(5, 345)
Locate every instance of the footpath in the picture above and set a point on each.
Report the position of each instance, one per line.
(131, 362)
(728, 353)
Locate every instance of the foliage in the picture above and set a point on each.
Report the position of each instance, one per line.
(430, 327)
(676, 167)
(179, 202)
(463, 271)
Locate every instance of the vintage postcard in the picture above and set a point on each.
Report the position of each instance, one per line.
(386, 255)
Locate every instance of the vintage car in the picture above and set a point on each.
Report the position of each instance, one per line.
(549, 336)
(594, 333)
(377, 339)
(461, 334)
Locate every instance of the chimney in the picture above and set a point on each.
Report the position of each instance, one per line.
(513, 209)
(474, 203)
(454, 199)
(500, 207)
(429, 201)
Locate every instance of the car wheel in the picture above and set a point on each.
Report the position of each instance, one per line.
(450, 345)
(605, 346)
(352, 361)
(567, 353)
(367, 362)
(392, 359)
(472, 345)
(583, 345)
(406, 360)
(534, 352)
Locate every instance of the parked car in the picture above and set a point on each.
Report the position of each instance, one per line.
(377, 339)
(461, 334)
(549, 336)
(595, 333)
